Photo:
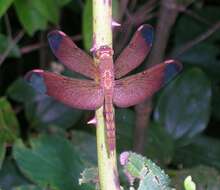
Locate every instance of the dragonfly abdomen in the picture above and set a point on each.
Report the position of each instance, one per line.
(110, 123)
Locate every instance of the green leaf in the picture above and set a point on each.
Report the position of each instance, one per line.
(189, 184)
(125, 122)
(205, 53)
(216, 103)
(4, 5)
(204, 56)
(47, 9)
(87, 25)
(154, 143)
(63, 2)
(20, 91)
(30, 18)
(184, 106)
(28, 187)
(43, 111)
(182, 36)
(210, 13)
(10, 176)
(150, 175)
(89, 176)
(2, 153)
(51, 161)
(5, 43)
(9, 127)
(202, 150)
(205, 178)
(86, 142)
(87, 28)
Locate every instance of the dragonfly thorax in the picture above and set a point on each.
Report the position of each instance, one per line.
(104, 52)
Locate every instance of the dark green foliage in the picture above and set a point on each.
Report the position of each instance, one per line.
(47, 145)
(8, 122)
(34, 15)
(4, 5)
(88, 146)
(180, 110)
(150, 175)
(89, 175)
(42, 111)
(28, 187)
(204, 177)
(5, 42)
(9, 127)
(200, 151)
(10, 176)
(29, 17)
(50, 162)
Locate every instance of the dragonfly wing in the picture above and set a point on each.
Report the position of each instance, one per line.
(135, 89)
(136, 51)
(81, 94)
(70, 55)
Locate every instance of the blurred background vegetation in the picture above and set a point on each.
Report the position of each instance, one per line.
(45, 145)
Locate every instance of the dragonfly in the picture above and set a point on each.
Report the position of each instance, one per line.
(105, 84)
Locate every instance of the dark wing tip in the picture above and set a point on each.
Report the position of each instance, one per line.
(172, 69)
(147, 32)
(55, 37)
(36, 80)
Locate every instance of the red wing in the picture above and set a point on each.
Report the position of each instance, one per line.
(135, 89)
(70, 55)
(136, 51)
(82, 94)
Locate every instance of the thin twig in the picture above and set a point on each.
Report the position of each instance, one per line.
(166, 20)
(196, 16)
(197, 40)
(77, 37)
(134, 19)
(143, 112)
(183, 8)
(141, 14)
(167, 17)
(123, 8)
(8, 25)
(11, 46)
(133, 4)
(32, 47)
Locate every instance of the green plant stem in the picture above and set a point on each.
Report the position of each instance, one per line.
(102, 35)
